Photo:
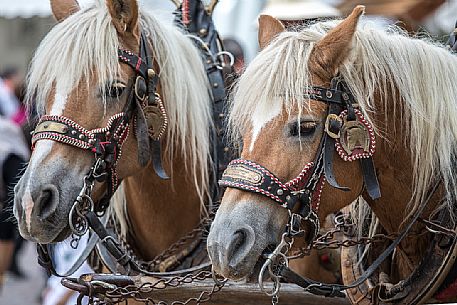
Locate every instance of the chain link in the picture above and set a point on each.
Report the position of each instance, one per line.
(343, 226)
(121, 294)
(153, 265)
(118, 295)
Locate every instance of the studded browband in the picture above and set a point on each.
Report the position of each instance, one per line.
(346, 131)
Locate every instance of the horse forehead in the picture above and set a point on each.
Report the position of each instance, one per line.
(60, 101)
(263, 114)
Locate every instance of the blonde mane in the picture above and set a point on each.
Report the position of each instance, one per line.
(87, 41)
(422, 72)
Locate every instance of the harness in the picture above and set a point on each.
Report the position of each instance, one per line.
(347, 130)
(349, 134)
(145, 110)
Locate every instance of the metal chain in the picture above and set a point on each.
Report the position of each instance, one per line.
(201, 229)
(118, 295)
(153, 265)
(345, 227)
(121, 294)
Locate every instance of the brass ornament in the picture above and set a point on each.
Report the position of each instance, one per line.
(354, 136)
(156, 118)
(48, 126)
(330, 122)
(244, 174)
(357, 138)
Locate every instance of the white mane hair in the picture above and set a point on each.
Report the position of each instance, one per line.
(87, 41)
(422, 72)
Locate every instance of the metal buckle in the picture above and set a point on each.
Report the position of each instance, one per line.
(221, 62)
(140, 81)
(294, 227)
(333, 117)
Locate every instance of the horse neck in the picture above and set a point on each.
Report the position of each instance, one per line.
(395, 173)
(161, 211)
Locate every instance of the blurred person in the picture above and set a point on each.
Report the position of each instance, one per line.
(10, 106)
(13, 155)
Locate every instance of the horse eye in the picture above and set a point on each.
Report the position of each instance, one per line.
(114, 90)
(304, 129)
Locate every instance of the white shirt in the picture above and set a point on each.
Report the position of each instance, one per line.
(9, 104)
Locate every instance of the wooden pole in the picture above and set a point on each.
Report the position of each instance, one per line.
(243, 294)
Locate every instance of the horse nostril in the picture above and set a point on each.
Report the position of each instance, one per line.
(46, 196)
(239, 238)
(46, 203)
(240, 245)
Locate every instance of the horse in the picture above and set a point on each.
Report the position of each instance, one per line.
(80, 83)
(310, 106)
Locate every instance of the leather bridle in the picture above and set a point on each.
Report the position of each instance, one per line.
(301, 195)
(142, 110)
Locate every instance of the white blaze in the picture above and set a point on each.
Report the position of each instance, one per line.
(41, 150)
(262, 115)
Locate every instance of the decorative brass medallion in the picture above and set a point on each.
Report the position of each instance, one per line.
(354, 136)
(357, 138)
(156, 118)
(50, 126)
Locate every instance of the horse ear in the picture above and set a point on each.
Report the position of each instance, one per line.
(330, 52)
(269, 28)
(61, 9)
(124, 14)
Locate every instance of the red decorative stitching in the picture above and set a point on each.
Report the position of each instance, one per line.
(263, 170)
(289, 186)
(252, 188)
(185, 12)
(138, 64)
(60, 138)
(294, 183)
(316, 200)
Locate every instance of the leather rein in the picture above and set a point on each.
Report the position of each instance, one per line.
(143, 109)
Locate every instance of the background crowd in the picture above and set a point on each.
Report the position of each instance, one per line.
(22, 25)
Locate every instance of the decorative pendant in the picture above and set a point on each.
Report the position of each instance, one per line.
(357, 138)
(156, 118)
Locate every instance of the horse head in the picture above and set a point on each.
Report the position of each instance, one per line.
(85, 93)
(282, 132)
